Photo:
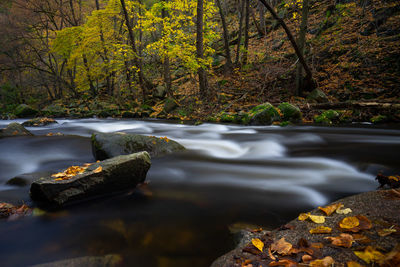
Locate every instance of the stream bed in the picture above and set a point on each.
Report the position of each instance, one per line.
(229, 175)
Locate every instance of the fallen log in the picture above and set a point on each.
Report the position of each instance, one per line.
(353, 105)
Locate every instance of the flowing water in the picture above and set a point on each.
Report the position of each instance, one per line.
(229, 174)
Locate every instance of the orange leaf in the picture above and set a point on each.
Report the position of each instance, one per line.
(325, 262)
(321, 230)
(306, 258)
(353, 264)
(281, 246)
(284, 262)
(344, 240)
(99, 169)
(349, 222)
(370, 255)
(328, 210)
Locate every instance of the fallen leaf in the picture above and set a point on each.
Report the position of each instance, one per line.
(386, 232)
(303, 216)
(258, 244)
(349, 222)
(281, 246)
(321, 230)
(284, 262)
(317, 245)
(306, 258)
(353, 264)
(270, 254)
(341, 210)
(370, 255)
(344, 240)
(58, 175)
(325, 262)
(392, 258)
(363, 224)
(328, 210)
(99, 169)
(362, 239)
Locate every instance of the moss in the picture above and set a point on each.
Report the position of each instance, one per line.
(327, 117)
(379, 119)
(290, 112)
(263, 114)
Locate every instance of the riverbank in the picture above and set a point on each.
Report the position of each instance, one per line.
(368, 234)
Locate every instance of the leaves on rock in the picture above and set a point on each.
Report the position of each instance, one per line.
(325, 262)
(284, 262)
(370, 255)
(13, 212)
(349, 222)
(342, 210)
(344, 240)
(258, 244)
(74, 171)
(328, 210)
(353, 264)
(98, 169)
(281, 247)
(321, 230)
(355, 224)
(313, 218)
(386, 232)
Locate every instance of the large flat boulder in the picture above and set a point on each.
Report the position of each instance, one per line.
(14, 129)
(108, 145)
(112, 175)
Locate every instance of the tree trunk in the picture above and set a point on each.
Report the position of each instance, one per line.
(166, 64)
(228, 65)
(246, 33)
(137, 60)
(310, 83)
(261, 13)
(239, 43)
(301, 43)
(85, 63)
(199, 49)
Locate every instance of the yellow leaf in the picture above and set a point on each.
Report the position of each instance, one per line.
(99, 169)
(340, 210)
(281, 246)
(303, 216)
(349, 222)
(370, 255)
(317, 219)
(321, 230)
(328, 210)
(258, 244)
(386, 232)
(353, 264)
(58, 175)
(325, 262)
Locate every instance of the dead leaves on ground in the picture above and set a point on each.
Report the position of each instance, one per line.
(11, 212)
(344, 240)
(74, 171)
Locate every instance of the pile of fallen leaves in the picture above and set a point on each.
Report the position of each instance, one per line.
(270, 252)
(74, 171)
(13, 212)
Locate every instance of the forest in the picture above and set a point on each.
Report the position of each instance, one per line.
(222, 133)
(335, 61)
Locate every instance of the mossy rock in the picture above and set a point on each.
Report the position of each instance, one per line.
(23, 111)
(104, 114)
(39, 122)
(290, 112)
(327, 117)
(129, 114)
(227, 117)
(379, 119)
(55, 110)
(264, 114)
(14, 129)
(317, 96)
(170, 105)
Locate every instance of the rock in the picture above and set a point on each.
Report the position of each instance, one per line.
(129, 114)
(26, 178)
(169, 105)
(104, 261)
(317, 96)
(264, 114)
(38, 122)
(14, 129)
(17, 181)
(55, 110)
(160, 92)
(116, 174)
(108, 145)
(290, 112)
(327, 117)
(23, 111)
(380, 207)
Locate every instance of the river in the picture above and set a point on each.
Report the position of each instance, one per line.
(228, 175)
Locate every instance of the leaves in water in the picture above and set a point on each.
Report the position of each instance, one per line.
(321, 230)
(344, 240)
(281, 246)
(258, 244)
(325, 262)
(328, 210)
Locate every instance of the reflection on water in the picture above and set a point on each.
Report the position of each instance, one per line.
(229, 174)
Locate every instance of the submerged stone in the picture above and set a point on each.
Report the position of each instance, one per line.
(108, 145)
(109, 176)
(38, 122)
(89, 261)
